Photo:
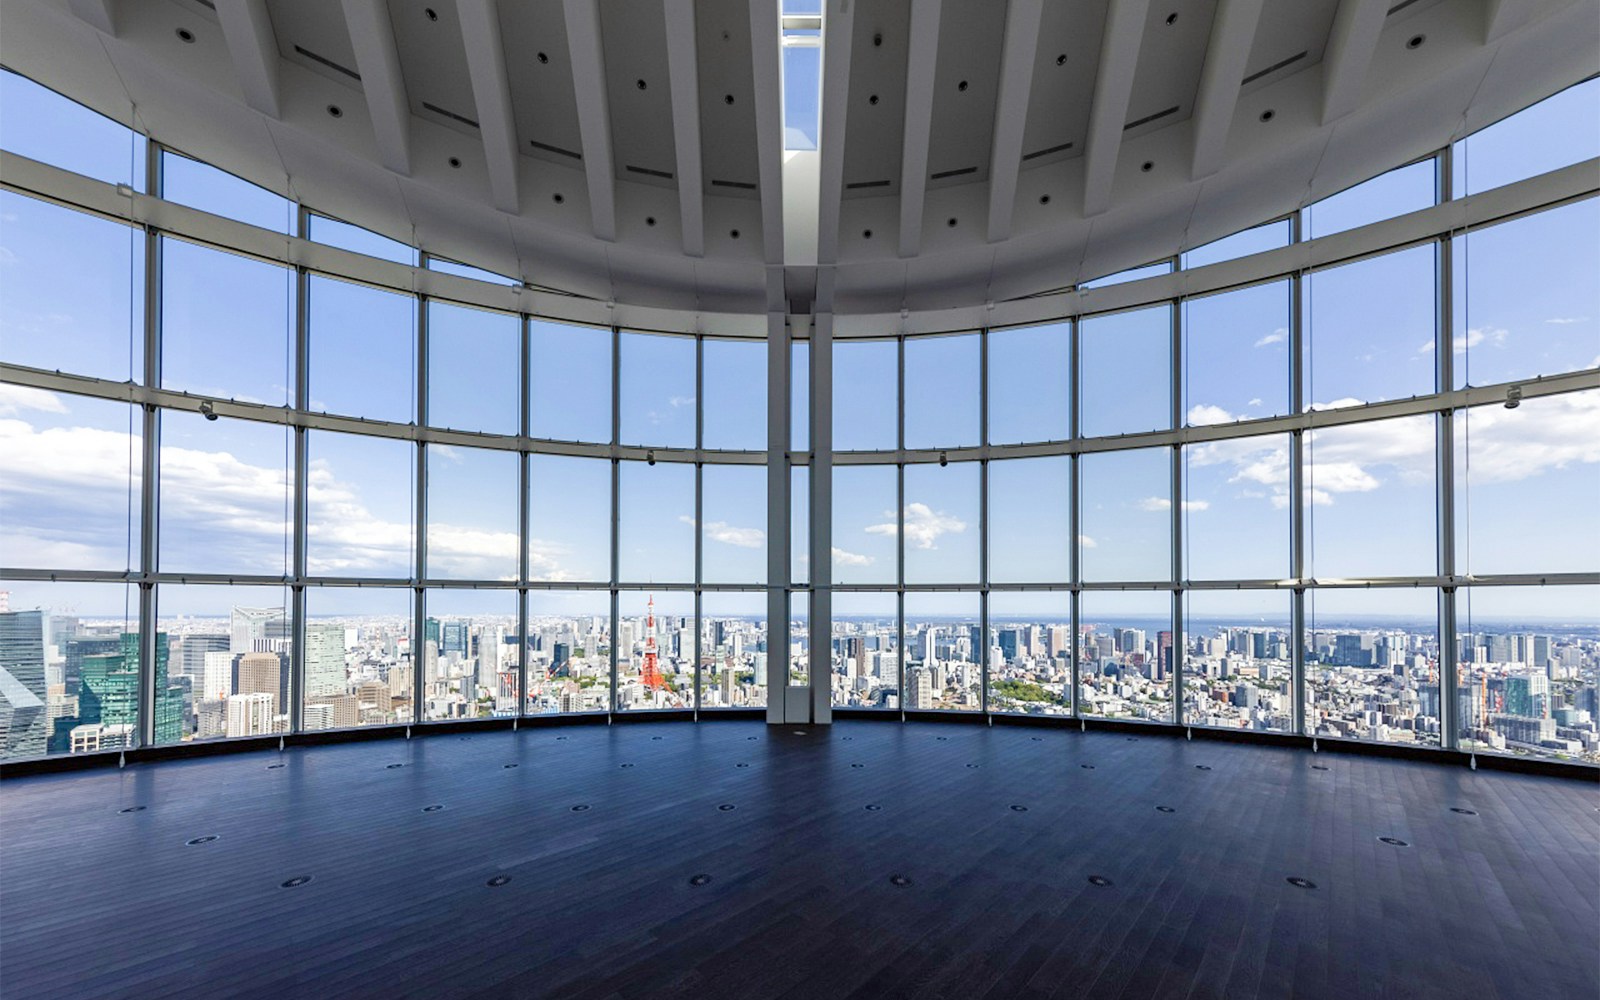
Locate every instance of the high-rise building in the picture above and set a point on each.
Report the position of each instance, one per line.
(23, 695)
(324, 659)
(255, 628)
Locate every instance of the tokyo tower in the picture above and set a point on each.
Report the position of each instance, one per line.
(651, 675)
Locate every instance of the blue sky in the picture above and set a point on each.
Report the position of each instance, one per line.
(1526, 305)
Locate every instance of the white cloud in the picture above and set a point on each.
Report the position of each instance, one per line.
(1567, 320)
(1474, 337)
(1205, 413)
(1087, 542)
(1154, 504)
(680, 401)
(445, 451)
(1254, 402)
(722, 531)
(1277, 336)
(843, 558)
(14, 399)
(1543, 434)
(924, 525)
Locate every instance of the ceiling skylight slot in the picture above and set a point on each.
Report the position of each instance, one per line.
(800, 29)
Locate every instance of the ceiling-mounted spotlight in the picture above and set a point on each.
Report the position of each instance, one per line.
(649, 458)
(944, 459)
(207, 410)
(1513, 397)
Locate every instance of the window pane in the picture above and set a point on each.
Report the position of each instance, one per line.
(1030, 384)
(658, 390)
(469, 654)
(472, 513)
(468, 271)
(733, 500)
(802, 93)
(799, 638)
(1260, 239)
(941, 523)
(735, 394)
(800, 524)
(358, 657)
(569, 652)
(1125, 655)
(69, 496)
(944, 640)
(1125, 515)
(800, 396)
(473, 357)
(866, 393)
(361, 505)
(1527, 482)
(655, 540)
(1236, 509)
(864, 524)
(655, 650)
(1528, 671)
(226, 325)
(1397, 192)
(45, 126)
(1370, 499)
(733, 650)
(71, 291)
(229, 657)
(1527, 300)
(1030, 653)
(357, 240)
(363, 350)
(570, 382)
(199, 185)
(1030, 520)
(1372, 665)
(1126, 365)
(1237, 666)
(1370, 329)
(71, 668)
(569, 519)
(1558, 131)
(942, 391)
(1131, 274)
(866, 654)
(1236, 355)
(227, 493)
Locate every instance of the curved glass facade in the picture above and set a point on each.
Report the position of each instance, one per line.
(1351, 499)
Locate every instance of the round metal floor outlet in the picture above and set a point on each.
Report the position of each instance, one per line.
(1132, 739)
(580, 808)
(1099, 880)
(858, 765)
(295, 882)
(273, 767)
(431, 809)
(656, 739)
(974, 766)
(751, 739)
(560, 738)
(510, 766)
(941, 738)
(498, 881)
(196, 842)
(727, 807)
(624, 765)
(1454, 809)
(1300, 883)
(741, 765)
(874, 807)
(1087, 767)
(847, 739)
(1319, 767)
(391, 767)
(701, 879)
(1393, 841)
(131, 809)
(899, 880)
(1037, 739)
(1019, 809)
(1165, 809)
(1202, 767)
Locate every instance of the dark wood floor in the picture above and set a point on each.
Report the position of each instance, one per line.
(996, 831)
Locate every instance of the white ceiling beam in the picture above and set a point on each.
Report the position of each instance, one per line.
(253, 44)
(1351, 43)
(683, 73)
(1011, 113)
(378, 62)
(1233, 31)
(1113, 87)
(921, 61)
(594, 115)
(837, 31)
(765, 57)
(102, 14)
(1500, 16)
(491, 92)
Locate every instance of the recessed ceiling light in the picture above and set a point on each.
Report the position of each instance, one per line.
(1267, 115)
(866, 234)
(877, 39)
(734, 233)
(1172, 18)
(455, 161)
(542, 58)
(186, 35)
(335, 111)
(558, 198)
(962, 85)
(1147, 166)
(433, 15)
(727, 98)
(1061, 60)
(873, 99)
(1415, 41)
(951, 223)
(640, 84)
(1044, 199)
(649, 220)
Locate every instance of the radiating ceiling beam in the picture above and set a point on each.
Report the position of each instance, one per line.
(920, 65)
(1233, 31)
(1113, 86)
(1500, 16)
(1011, 113)
(683, 73)
(253, 45)
(100, 13)
(378, 61)
(1354, 38)
(594, 116)
(491, 93)
(837, 30)
(765, 57)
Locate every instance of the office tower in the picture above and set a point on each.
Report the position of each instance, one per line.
(23, 696)
(253, 628)
(324, 659)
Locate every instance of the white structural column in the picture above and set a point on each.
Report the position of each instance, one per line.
(920, 66)
(1113, 87)
(1011, 113)
(683, 73)
(765, 57)
(779, 572)
(378, 60)
(821, 623)
(491, 93)
(1233, 31)
(837, 27)
(594, 115)
(1351, 43)
(253, 46)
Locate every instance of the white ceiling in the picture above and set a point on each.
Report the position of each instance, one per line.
(576, 177)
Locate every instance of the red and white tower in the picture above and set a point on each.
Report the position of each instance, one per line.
(651, 675)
